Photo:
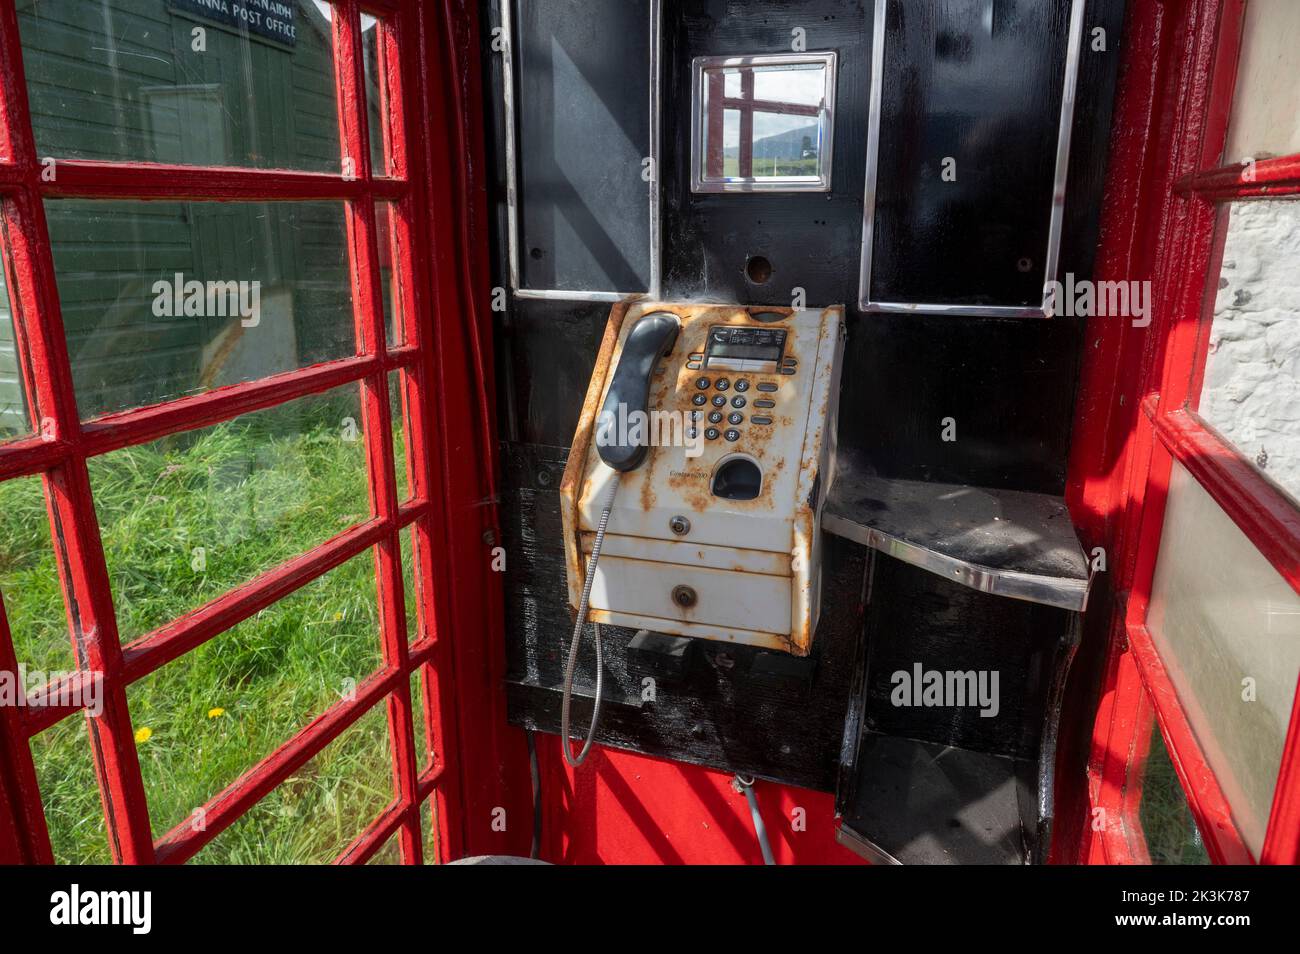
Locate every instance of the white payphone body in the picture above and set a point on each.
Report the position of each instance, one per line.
(717, 534)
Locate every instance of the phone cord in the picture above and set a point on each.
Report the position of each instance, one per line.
(596, 544)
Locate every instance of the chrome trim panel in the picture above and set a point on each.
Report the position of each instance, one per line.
(1068, 96)
(512, 169)
(826, 120)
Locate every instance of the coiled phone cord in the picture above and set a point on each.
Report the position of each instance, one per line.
(596, 544)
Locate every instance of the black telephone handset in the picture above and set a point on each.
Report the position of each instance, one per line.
(650, 339)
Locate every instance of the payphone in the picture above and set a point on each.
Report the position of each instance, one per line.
(692, 497)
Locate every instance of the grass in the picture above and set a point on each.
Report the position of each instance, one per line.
(183, 520)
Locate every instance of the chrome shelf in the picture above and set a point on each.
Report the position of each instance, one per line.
(1006, 542)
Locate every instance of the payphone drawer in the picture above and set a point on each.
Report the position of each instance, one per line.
(692, 595)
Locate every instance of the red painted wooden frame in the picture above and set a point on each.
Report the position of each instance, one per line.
(63, 444)
(1164, 199)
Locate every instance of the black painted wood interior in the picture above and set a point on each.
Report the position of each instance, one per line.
(582, 108)
(1009, 385)
(977, 83)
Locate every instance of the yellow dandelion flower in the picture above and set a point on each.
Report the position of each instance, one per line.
(143, 735)
(216, 712)
(338, 617)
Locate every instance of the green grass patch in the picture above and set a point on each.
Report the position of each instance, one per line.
(183, 520)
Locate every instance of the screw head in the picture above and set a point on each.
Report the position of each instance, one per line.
(684, 596)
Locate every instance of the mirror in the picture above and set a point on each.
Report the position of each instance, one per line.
(762, 123)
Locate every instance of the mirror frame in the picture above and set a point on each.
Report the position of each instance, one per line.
(821, 182)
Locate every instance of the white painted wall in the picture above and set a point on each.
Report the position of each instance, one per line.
(1252, 376)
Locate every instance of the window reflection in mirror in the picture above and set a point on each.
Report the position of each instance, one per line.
(763, 123)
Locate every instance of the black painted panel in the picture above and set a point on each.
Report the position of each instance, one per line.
(977, 81)
(584, 128)
(811, 239)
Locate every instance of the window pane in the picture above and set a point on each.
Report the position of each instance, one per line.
(409, 592)
(320, 809)
(399, 435)
(390, 854)
(1266, 104)
(429, 822)
(1227, 626)
(184, 81)
(423, 751)
(217, 711)
(163, 299)
(1166, 819)
(29, 582)
(15, 414)
(189, 516)
(391, 254)
(376, 94)
(1251, 392)
(65, 774)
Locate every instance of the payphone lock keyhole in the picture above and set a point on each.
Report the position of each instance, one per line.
(679, 525)
(684, 596)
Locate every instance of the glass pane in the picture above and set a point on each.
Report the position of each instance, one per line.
(409, 591)
(29, 583)
(65, 774)
(215, 712)
(423, 752)
(1166, 819)
(186, 81)
(317, 812)
(1227, 626)
(390, 854)
(1266, 104)
(390, 253)
(189, 516)
(430, 825)
(15, 414)
(1251, 392)
(781, 111)
(376, 94)
(399, 435)
(163, 299)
